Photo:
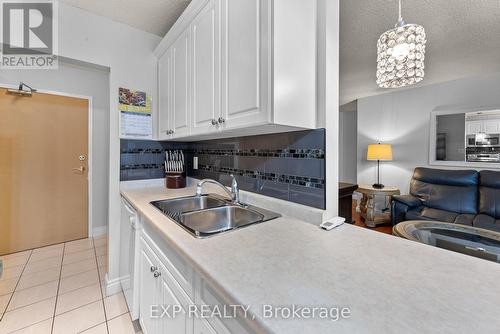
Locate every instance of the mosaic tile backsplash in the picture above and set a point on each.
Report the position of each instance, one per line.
(288, 166)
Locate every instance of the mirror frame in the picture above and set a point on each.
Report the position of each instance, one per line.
(447, 110)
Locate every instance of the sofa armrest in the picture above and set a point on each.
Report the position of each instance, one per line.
(400, 205)
(408, 200)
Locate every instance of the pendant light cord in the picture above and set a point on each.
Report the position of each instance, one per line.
(400, 16)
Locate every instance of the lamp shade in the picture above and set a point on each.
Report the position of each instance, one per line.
(379, 152)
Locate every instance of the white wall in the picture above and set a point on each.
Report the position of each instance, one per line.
(87, 81)
(402, 118)
(128, 53)
(348, 142)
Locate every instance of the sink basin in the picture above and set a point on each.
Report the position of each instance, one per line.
(175, 207)
(219, 219)
(208, 215)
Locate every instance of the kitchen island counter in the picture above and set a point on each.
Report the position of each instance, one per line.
(389, 285)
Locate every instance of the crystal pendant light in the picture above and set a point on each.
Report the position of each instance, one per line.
(400, 55)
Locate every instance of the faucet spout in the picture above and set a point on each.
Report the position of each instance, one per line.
(234, 194)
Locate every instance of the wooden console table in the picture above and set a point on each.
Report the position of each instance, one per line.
(372, 216)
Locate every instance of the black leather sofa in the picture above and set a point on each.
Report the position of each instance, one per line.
(465, 197)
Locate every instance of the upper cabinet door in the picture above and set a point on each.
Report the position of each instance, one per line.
(473, 127)
(181, 86)
(165, 95)
(491, 126)
(205, 36)
(241, 58)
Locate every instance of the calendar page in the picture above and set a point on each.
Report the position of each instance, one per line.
(135, 114)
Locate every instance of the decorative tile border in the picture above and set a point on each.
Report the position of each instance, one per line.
(291, 179)
(285, 153)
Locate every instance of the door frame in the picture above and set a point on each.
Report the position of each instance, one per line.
(90, 159)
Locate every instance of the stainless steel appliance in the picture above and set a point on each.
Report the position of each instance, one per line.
(487, 139)
(483, 157)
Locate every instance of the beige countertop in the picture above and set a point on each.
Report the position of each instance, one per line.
(390, 285)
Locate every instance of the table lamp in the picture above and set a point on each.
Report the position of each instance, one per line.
(379, 152)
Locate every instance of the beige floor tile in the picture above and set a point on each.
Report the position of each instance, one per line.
(35, 257)
(77, 298)
(78, 246)
(51, 262)
(102, 272)
(33, 279)
(44, 327)
(101, 250)
(99, 329)
(101, 242)
(58, 247)
(18, 254)
(79, 319)
(115, 305)
(79, 256)
(7, 286)
(102, 260)
(33, 295)
(10, 261)
(78, 267)
(11, 272)
(4, 300)
(28, 315)
(78, 281)
(121, 325)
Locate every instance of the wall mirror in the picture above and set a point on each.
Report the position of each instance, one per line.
(465, 137)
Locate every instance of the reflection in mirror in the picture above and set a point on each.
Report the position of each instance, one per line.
(471, 137)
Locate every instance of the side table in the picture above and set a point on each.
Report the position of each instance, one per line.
(372, 216)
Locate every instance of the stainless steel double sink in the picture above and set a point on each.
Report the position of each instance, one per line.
(207, 215)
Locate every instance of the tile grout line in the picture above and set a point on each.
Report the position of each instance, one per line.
(57, 292)
(17, 283)
(100, 286)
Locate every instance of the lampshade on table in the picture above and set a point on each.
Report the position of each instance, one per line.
(379, 152)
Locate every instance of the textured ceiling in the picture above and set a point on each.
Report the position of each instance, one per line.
(463, 36)
(154, 16)
(463, 39)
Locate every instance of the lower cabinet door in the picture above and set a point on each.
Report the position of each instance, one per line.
(148, 291)
(175, 301)
(201, 326)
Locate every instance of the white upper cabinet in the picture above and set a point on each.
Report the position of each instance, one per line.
(241, 58)
(205, 32)
(181, 83)
(239, 66)
(165, 95)
(482, 126)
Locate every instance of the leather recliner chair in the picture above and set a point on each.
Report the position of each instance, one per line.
(465, 197)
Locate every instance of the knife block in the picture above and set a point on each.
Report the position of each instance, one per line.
(175, 180)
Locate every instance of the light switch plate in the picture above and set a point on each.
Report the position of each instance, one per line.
(195, 162)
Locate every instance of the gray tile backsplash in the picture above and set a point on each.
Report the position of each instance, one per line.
(288, 166)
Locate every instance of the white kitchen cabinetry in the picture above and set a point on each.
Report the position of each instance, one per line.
(167, 279)
(205, 32)
(483, 126)
(165, 95)
(244, 72)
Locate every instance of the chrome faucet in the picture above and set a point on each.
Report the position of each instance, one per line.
(234, 194)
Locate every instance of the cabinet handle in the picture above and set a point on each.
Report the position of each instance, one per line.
(153, 268)
(221, 120)
(214, 121)
(157, 274)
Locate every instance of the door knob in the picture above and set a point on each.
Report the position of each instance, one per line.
(153, 268)
(221, 120)
(79, 169)
(214, 121)
(157, 274)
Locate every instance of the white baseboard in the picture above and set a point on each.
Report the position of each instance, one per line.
(100, 230)
(113, 286)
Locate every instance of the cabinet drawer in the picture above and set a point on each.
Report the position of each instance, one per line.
(178, 267)
(208, 296)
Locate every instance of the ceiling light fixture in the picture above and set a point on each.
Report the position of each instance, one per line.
(400, 55)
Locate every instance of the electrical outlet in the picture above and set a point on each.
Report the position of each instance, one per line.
(195, 162)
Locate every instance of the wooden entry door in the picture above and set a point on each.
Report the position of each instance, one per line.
(43, 181)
